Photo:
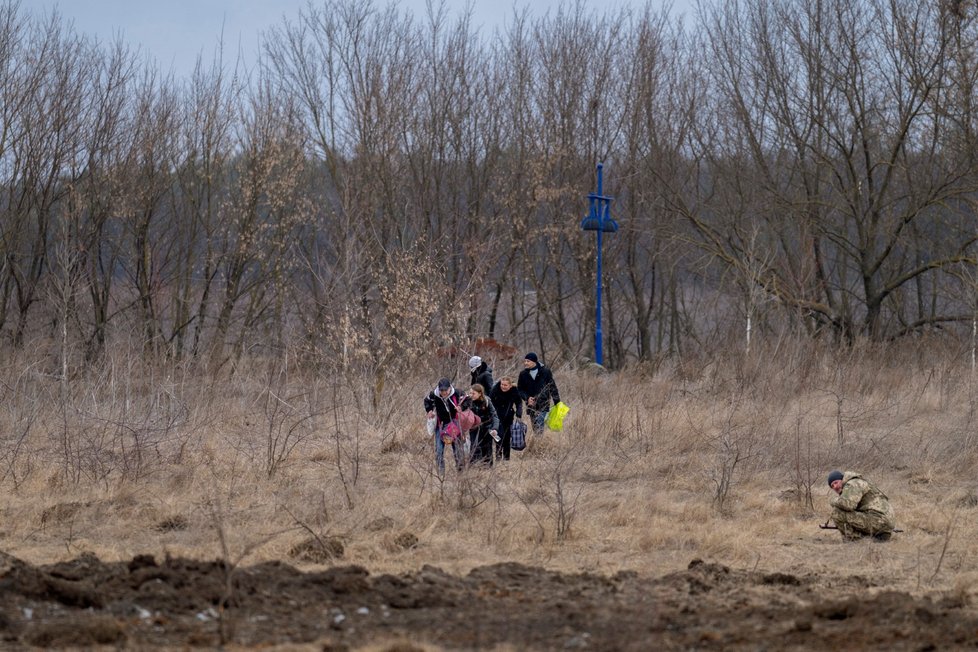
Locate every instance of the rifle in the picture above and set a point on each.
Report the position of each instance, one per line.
(826, 526)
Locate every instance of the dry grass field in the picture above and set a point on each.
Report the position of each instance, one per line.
(721, 460)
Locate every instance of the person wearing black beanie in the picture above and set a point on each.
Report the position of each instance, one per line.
(537, 387)
(860, 509)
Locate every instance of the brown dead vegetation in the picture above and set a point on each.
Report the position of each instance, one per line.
(633, 485)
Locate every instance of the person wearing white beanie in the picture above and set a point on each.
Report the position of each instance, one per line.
(481, 372)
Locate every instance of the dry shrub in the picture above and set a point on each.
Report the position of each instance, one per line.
(317, 550)
(175, 523)
(400, 541)
(379, 524)
(61, 512)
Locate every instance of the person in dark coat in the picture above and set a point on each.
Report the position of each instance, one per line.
(443, 403)
(509, 406)
(481, 372)
(482, 435)
(537, 387)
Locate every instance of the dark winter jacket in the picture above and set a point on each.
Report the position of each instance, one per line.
(483, 375)
(509, 405)
(446, 409)
(543, 387)
(486, 413)
(479, 438)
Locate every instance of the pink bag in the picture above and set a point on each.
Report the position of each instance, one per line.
(450, 432)
(468, 420)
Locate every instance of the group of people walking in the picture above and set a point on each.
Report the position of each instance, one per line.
(497, 405)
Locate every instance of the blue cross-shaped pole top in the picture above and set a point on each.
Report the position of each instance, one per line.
(599, 210)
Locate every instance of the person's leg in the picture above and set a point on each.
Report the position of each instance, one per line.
(475, 452)
(439, 455)
(872, 524)
(481, 447)
(536, 418)
(855, 525)
(457, 453)
(505, 445)
(485, 444)
(847, 531)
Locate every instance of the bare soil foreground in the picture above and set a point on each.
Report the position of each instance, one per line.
(177, 603)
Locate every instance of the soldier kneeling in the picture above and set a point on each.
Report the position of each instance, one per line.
(861, 509)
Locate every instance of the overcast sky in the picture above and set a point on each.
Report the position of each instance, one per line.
(174, 32)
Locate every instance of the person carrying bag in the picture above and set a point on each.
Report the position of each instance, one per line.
(538, 388)
(442, 406)
(506, 399)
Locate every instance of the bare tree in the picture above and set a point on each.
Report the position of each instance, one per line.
(829, 126)
(44, 139)
(204, 152)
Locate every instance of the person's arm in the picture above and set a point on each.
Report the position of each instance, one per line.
(852, 493)
(534, 398)
(497, 400)
(518, 403)
(429, 405)
(494, 415)
(554, 392)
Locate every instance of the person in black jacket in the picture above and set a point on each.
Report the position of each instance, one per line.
(482, 435)
(443, 403)
(537, 387)
(509, 406)
(481, 372)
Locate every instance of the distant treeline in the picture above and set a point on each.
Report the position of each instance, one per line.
(382, 184)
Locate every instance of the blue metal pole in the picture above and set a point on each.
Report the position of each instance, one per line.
(598, 357)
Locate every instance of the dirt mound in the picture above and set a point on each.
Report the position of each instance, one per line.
(182, 602)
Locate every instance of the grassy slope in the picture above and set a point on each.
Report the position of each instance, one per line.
(711, 461)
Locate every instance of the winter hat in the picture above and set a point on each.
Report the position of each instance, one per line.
(474, 362)
(444, 383)
(835, 475)
(532, 357)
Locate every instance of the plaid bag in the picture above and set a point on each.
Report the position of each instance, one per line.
(517, 436)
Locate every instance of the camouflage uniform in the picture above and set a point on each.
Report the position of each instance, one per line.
(861, 509)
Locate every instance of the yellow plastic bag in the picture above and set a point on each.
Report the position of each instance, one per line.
(555, 417)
